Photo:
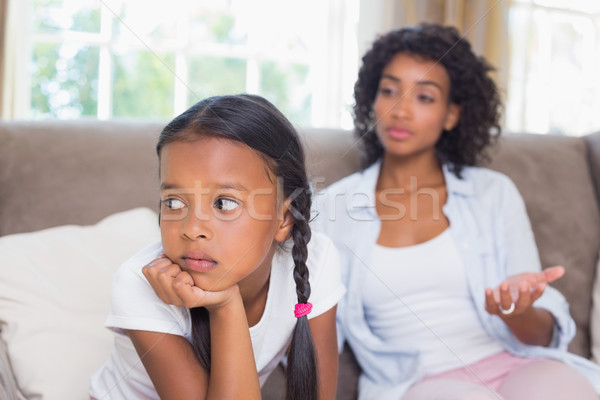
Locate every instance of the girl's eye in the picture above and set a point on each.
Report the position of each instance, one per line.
(226, 204)
(173, 204)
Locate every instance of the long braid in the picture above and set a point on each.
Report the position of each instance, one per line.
(301, 373)
(301, 236)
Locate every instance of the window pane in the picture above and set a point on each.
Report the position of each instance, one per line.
(73, 15)
(148, 22)
(64, 80)
(213, 46)
(214, 24)
(553, 78)
(210, 76)
(572, 84)
(143, 85)
(289, 28)
(586, 6)
(285, 85)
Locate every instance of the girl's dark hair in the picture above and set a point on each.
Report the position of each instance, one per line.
(255, 122)
(470, 87)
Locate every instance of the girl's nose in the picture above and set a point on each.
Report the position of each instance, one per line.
(197, 225)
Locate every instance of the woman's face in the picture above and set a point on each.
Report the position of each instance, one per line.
(220, 219)
(412, 105)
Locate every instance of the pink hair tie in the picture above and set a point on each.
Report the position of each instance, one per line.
(302, 309)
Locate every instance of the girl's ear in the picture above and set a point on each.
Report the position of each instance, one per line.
(286, 223)
(452, 116)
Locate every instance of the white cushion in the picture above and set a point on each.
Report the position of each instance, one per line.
(54, 298)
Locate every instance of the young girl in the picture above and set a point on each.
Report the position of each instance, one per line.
(210, 310)
(446, 298)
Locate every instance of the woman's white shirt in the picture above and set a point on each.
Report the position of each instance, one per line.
(418, 296)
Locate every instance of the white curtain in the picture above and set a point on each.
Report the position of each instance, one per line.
(13, 58)
(3, 21)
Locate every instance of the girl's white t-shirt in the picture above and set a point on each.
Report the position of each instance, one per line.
(134, 305)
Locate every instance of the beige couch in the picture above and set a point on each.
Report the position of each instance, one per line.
(54, 174)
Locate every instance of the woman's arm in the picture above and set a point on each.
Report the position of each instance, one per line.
(325, 339)
(534, 326)
(540, 312)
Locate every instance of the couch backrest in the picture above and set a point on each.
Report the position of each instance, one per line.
(74, 172)
(593, 144)
(555, 179)
(77, 172)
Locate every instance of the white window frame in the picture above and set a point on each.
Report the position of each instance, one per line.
(332, 74)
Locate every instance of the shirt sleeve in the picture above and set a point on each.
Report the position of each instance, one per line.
(325, 275)
(522, 256)
(320, 224)
(134, 305)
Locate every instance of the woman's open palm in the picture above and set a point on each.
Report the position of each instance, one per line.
(518, 292)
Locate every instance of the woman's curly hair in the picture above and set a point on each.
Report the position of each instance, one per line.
(470, 87)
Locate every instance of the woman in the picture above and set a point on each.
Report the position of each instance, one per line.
(446, 297)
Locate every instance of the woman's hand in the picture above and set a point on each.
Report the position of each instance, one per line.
(519, 292)
(175, 286)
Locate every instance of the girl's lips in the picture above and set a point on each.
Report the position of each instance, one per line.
(399, 133)
(199, 265)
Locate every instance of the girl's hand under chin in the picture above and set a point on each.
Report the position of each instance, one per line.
(175, 286)
(522, 290)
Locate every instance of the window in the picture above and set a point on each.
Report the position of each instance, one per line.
(154, 58)
(555, 59)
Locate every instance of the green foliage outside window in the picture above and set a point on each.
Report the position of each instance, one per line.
(210, 76)
(143, 85)
(81, 66)
(282, 84)
(64, 80)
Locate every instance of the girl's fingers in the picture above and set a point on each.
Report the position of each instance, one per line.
(160, 270)
(167, 278)
(150, 271)
(182, 283)
(155, 263)
(160, 258)
(176, 287)
(190, 295)
(160, 274)
(169, 272)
